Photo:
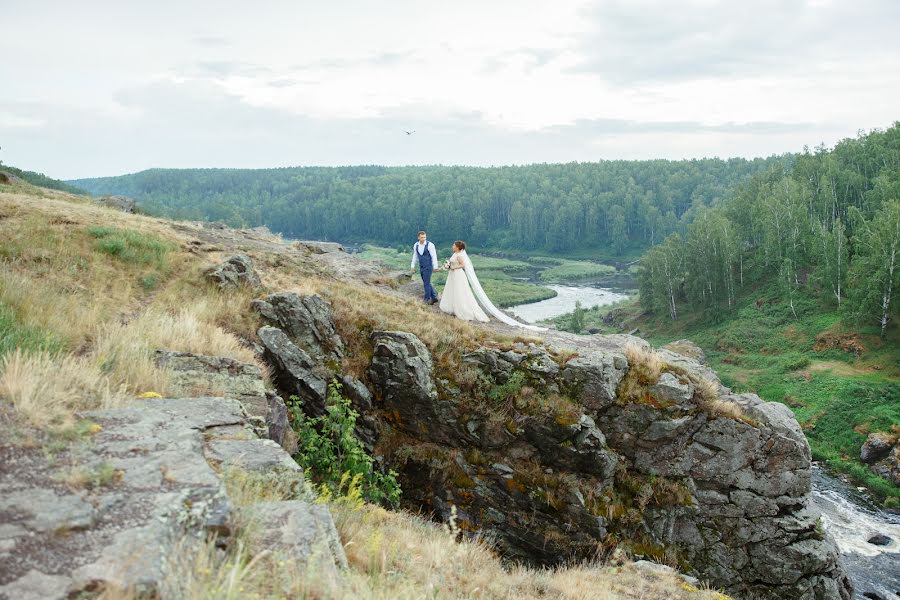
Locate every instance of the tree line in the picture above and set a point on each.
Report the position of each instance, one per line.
(612, 205)
(828, 224)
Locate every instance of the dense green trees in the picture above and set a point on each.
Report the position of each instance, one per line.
(612, 205)
(830, 225)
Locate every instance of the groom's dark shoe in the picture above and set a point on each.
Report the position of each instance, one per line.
(434, 301)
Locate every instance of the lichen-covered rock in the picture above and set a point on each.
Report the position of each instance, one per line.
(594, 377)
(278, 423)
(724, 487)
(688, 349)
(401, 374)
(497, 364)
(307, 320)
(314, 247)
(361, 399)
(297, 531)
(123, 203)
(201, 375)
(295, 373)
(158, 492)
(235, 272)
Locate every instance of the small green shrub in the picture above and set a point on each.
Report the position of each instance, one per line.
(333, 457)
(509, 390)
(149, 282)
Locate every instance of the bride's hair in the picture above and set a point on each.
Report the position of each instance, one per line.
(460, 244)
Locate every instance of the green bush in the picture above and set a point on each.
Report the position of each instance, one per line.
(509, 390)
(329, 451)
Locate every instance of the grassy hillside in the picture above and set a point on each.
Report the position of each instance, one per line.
(841, 382)
(86, 296)
(41, 180)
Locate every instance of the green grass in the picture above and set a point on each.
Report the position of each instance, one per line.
(572, 269)
(130, 246)
(14, 334)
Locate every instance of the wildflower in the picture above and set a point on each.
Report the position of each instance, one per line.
(149, 395)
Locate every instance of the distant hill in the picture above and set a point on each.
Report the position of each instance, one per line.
(41, 180)
(606, 208)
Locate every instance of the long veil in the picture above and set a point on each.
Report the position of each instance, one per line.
(485, 302)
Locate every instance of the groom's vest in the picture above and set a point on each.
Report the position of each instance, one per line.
(422, 254)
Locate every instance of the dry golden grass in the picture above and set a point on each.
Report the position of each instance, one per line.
(359, 311)
(645, 363)
(109, 314)
(47, 390)
(391, 555)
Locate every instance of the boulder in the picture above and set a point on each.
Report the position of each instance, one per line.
(235, 272)
(307, 320)
(669, 389)
(294, 372)
(123, 203)
(318, 247)
(593, 378)
(880, 540)
(361, 399)
(279, 424)
(496, 364)
(877, 446)
(889, 466)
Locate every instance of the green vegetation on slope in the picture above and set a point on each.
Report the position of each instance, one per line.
(41, 180)
(609, 207)
(829, 227)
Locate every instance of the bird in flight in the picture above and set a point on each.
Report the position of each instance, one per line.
(409, 132)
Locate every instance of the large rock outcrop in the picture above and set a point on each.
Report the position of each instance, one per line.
(202, 375)
(306, 320)
(147, 483)
(558, 459)
(584, 456)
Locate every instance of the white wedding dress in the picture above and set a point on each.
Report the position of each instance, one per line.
(463, 294)
(458, 298)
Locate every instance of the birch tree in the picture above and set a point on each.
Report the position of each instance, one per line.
(876, 264)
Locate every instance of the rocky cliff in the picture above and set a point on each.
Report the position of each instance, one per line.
(555, 454)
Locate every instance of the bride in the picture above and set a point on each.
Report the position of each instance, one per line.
(458, 298)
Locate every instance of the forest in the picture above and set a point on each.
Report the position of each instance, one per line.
(609, 208)
(829, 226)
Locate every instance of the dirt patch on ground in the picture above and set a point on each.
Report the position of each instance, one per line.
(839, 368)
(848, 342)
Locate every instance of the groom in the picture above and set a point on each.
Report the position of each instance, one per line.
(425, 254)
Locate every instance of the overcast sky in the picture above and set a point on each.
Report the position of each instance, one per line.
(95, 88)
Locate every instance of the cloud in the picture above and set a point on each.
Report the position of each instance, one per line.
(658, 40)
(210, 40)
(197, 124)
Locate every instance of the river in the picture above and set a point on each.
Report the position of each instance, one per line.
(564, 302)
(848, 515)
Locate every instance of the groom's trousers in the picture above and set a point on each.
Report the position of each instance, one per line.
(426, 271)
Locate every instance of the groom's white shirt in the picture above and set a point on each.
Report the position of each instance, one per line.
(417, 247)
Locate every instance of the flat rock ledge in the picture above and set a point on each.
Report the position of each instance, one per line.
(153, 481)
